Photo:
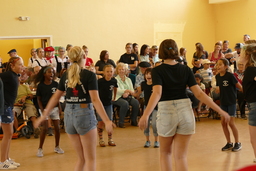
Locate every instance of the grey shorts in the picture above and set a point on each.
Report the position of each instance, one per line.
(175, 117)
(79, 120)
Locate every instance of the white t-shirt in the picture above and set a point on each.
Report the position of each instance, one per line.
(40, 62)
(31, 61)
(54, 62)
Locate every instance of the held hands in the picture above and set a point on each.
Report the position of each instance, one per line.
(143, 123)
(109, 125)
(225, 116)
(40, 119)
(125, 95)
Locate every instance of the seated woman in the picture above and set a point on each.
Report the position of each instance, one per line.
(104, 60)
(124, 96)
(216, 54)
(88, 61)
(198, 56)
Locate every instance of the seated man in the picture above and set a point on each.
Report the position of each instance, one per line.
(24, 96)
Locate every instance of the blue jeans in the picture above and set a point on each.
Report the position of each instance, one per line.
(109, 111)
(152, 117)
(79, 120)
(124, 107)
(252, 114)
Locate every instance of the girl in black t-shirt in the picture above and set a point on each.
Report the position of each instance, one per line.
(249, 89)
(175, 118)
(45, 89)
(107, 92)
(10, 85)
(81, 90)
(228, 85)
(146, 87)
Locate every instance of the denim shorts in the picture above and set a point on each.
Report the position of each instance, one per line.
(79, 120)
(230, 109)
(252, 114)
(109, 111)
(175, 117)
(54, 114)
(7, 117)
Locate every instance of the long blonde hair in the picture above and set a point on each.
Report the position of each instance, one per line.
(75, 55)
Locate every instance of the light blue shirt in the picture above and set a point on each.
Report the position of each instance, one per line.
(123, 85)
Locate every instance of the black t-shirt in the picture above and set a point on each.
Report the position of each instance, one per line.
(128, 58)
(79, 94)
(105, 90)
(11, 84)
(46, 91)
(227, 51)
(174, 80)
(227, 84)
(101, 64)
(249, 84)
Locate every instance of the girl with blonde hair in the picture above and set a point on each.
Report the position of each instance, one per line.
(81, 90)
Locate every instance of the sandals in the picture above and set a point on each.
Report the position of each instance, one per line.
(111, 142)
(102, 143)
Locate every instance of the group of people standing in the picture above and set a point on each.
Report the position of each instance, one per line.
(166, 100)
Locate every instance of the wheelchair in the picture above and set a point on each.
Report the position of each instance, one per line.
(25, 128)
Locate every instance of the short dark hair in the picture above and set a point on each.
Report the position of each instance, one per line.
(168, 50)
(199, 76)
(102, 55)
(225, 61)
(148, 70)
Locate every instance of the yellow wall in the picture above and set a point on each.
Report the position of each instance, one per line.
(23, 47)
(235, 19)
(108, 24)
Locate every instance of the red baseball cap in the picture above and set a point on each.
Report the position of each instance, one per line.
(49, 49)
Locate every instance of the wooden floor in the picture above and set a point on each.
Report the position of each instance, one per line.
(129, 155)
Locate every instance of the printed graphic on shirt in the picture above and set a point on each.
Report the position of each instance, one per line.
(111, 87)
(75, 92)
(225, 83)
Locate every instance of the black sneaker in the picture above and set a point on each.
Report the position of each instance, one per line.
(237, 147)
(227, 147)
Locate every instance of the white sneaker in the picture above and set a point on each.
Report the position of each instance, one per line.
(40, 153)
(6, 165)
(13, 162)
(58, 150)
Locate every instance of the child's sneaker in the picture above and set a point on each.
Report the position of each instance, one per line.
(237, 147)
(227, 147)
(13, 162)
(147, 144)
(40, 153)
(156, 144)
(6, 165)
(58, 150)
